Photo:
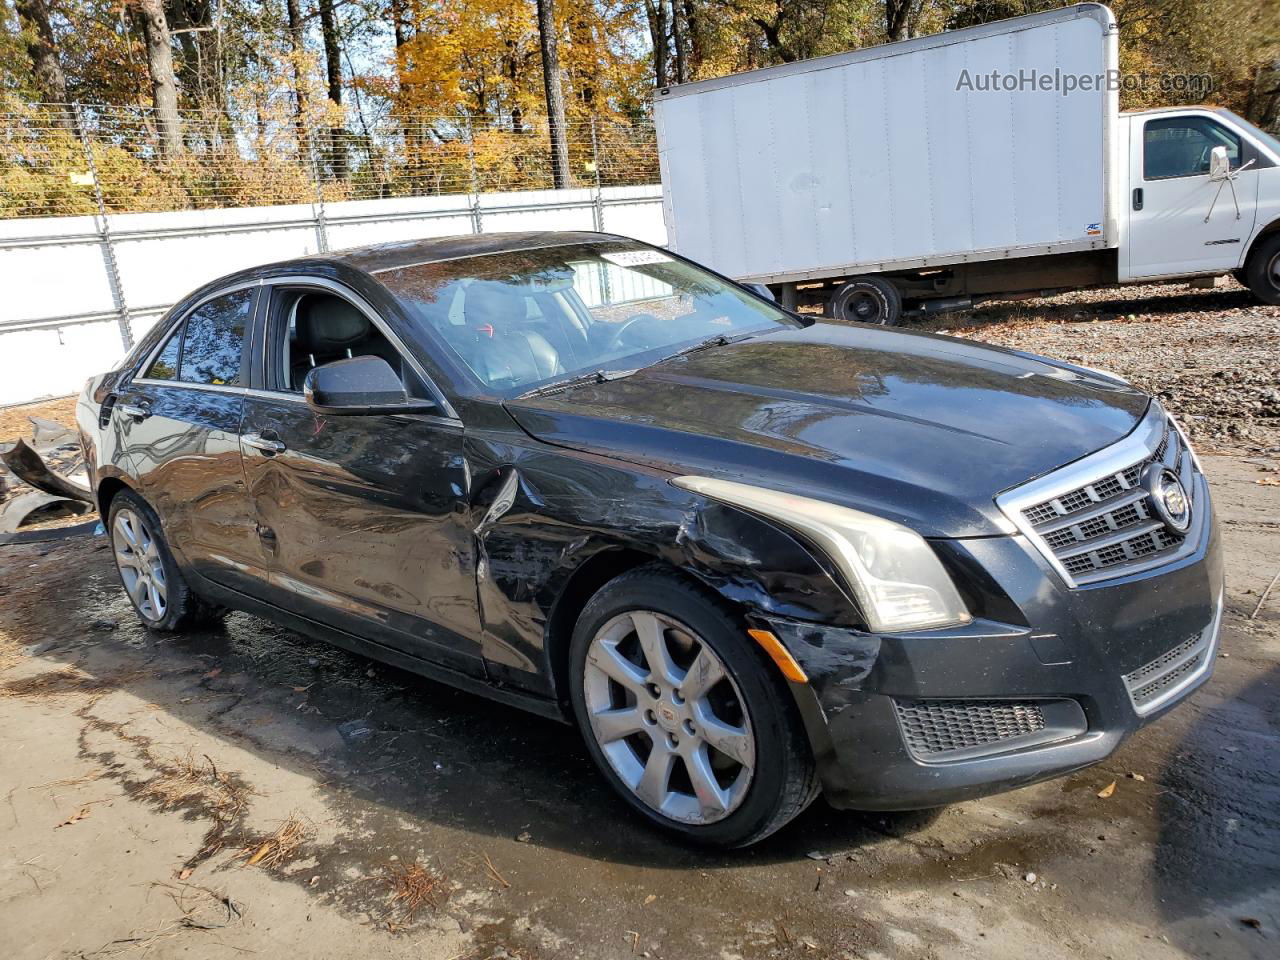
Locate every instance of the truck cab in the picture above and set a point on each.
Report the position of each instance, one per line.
(1203, 195)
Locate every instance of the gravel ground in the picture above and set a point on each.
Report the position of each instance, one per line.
(1212, 356)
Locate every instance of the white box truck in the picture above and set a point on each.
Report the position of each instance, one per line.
(985, 163)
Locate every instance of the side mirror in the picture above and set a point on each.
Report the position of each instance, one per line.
(360, 385)
(1219, 164)
(761, 290)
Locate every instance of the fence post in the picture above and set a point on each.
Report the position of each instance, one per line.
(477, 226)
(104, 232)
(598, 200)
(317, 207)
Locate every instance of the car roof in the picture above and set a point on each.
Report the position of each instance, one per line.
(390, 256)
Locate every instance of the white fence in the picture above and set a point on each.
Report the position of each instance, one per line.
(76, 292)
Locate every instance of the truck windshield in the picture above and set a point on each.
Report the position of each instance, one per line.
(527, 317)
(1264, 138)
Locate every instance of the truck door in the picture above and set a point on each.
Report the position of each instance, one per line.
(1172, 229)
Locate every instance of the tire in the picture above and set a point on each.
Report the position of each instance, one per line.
(148, 572)
(1262, 272)
(765, 775)
(867, 300)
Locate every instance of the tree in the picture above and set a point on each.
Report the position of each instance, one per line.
(548, 43)
(42, 47)
(164, 86)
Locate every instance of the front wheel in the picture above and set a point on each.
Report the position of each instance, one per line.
(685, 717)
(1262, 272)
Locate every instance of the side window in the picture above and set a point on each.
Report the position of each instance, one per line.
(1180, 147)
(214, 341)
(165, 365)
(314, 328)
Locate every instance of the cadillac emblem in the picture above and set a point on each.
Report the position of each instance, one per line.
(1168, 498)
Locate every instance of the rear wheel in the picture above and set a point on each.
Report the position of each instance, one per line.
(149, 574)
(1262, 272)
(683, 715)
(866, 300)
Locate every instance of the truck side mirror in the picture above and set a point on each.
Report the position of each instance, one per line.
(1219, 164)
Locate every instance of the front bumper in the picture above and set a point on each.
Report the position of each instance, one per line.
(1091, 665)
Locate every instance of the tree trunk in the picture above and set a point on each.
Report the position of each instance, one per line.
(333, 72)
(656, 11)
(678, 41)
(555, 96)
(399, 23)
(51, 82)
(297, 45)
(696, 32)
(897, 18)
(164, 88)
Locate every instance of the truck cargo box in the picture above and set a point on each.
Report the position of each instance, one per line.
(963, 146)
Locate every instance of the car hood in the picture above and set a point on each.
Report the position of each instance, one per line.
(919, 428)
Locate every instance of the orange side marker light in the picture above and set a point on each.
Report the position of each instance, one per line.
(780, 655)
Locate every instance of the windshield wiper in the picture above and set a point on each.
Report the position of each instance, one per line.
(596, 376)
(719, 340)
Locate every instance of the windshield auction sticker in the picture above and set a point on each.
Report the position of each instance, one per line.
(636, 258)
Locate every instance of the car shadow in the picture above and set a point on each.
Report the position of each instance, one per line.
(1219, 813)
(395, 741)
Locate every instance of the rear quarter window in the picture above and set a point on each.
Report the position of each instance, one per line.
(213, 345)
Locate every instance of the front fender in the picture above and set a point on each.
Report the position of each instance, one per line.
(543, 515)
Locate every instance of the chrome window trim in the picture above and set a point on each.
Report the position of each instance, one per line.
(1140, 444)
(188, 385)
(357, 301)
(172, 328)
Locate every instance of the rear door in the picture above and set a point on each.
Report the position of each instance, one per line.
(1180, 221)
(362, 514)
(179, 420)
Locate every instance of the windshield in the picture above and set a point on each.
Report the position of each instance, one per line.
(1264, 138)
(528, 317)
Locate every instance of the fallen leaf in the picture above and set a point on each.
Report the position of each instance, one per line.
(649, 899)
(1107, 791)
(1269, 481)
(184, 873)
(212, 673)
(1253, 922)
(74, 818)
(1137, 776)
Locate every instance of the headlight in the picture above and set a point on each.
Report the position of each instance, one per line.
(896, 577)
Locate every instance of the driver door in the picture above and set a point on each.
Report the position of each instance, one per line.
(358, 513)
(1172, 194)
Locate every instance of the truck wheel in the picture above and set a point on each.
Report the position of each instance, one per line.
(866, 300)
(1262, 272)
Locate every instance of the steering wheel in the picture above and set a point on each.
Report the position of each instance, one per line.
(616, 334)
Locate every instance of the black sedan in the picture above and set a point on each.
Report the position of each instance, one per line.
(751, 556)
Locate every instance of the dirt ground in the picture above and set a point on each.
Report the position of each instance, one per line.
(246, 791)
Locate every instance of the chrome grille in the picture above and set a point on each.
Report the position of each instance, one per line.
(1104, 526)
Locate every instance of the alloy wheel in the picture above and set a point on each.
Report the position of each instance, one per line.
(141, 567)
(668, 717)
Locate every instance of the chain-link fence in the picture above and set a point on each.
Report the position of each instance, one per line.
(65, 159)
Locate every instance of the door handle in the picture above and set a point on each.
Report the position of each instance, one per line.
(1137, 198)
(259, 442)
(135, 411)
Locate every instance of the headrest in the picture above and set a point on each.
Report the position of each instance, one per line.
(493, 304)
(327, 321)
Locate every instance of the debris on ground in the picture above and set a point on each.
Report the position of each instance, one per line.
(412, 886)
(280, 846)
(43, 483)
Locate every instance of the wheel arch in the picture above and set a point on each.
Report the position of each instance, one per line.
(108, 488)
(1266, 233)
